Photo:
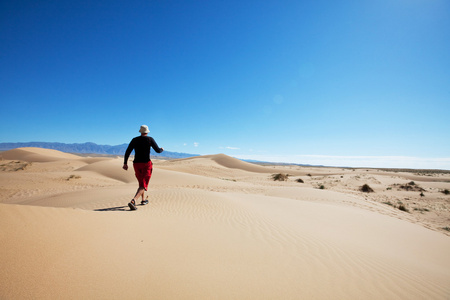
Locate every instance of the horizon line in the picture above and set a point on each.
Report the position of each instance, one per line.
(320, 160)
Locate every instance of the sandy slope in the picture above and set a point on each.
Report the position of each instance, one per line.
(216, 228)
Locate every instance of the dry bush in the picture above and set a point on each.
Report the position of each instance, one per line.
(411, 186)
(13, 166)
(300, 180)
(74, 177)
(421, 209)
(280, 177)
(403, 208)
(366, 189)
(400, 206)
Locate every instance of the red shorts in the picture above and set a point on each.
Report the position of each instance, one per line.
(143, 172)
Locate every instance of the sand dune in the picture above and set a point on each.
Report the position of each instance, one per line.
(216, 228)
(233, 163)
(109, 169)
(37, 155)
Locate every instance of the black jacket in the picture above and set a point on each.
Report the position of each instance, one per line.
(141, 146)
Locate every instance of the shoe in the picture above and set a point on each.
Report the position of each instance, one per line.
(132, 205)
(144, 202)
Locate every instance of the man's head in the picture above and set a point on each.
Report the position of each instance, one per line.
(144, 130)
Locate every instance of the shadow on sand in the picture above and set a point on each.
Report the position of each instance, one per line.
(117, 208)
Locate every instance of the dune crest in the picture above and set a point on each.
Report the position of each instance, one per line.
(32, 154)
(222, 161)
(234, 163)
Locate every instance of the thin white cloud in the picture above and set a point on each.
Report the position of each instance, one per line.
(232, 148)
(196, 144)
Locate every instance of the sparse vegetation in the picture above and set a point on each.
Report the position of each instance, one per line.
(402, 207)
(421, 209)
(74, 177)
(280, 177)
(228, 179)
(446, 228)
(445, 192)
(417, 171)
(13, 166)
(411, 186)
(300, 180)
(321, 187)
(366, 189)
(422, 194)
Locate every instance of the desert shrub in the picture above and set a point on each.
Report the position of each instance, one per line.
(13, 166)
(389, 203)
(322, 187)
(422, 194)
(366, 189)
(421, 209)
(227, 179)
(446, 228)
(74, 177)
(280, 177)
(411, 186)
(406, 187)
(445, 192)
(403, 208)
(300, 180)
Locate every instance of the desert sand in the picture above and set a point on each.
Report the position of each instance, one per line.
(219, 228)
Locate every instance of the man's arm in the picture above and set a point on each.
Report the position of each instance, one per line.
(127, 155)
(155, 146)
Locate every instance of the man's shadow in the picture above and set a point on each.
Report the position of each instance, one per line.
(117, 208)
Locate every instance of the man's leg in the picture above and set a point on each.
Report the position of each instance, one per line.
(138, 171)
(146, 175)
(139, 193)
(143, 174)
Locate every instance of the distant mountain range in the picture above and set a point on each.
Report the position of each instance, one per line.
(88, 148)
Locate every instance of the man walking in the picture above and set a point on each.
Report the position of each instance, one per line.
(142, 164)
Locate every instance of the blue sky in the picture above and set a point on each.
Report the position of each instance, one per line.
(358, 83)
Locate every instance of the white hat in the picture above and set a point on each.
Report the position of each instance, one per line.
(144, 129)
